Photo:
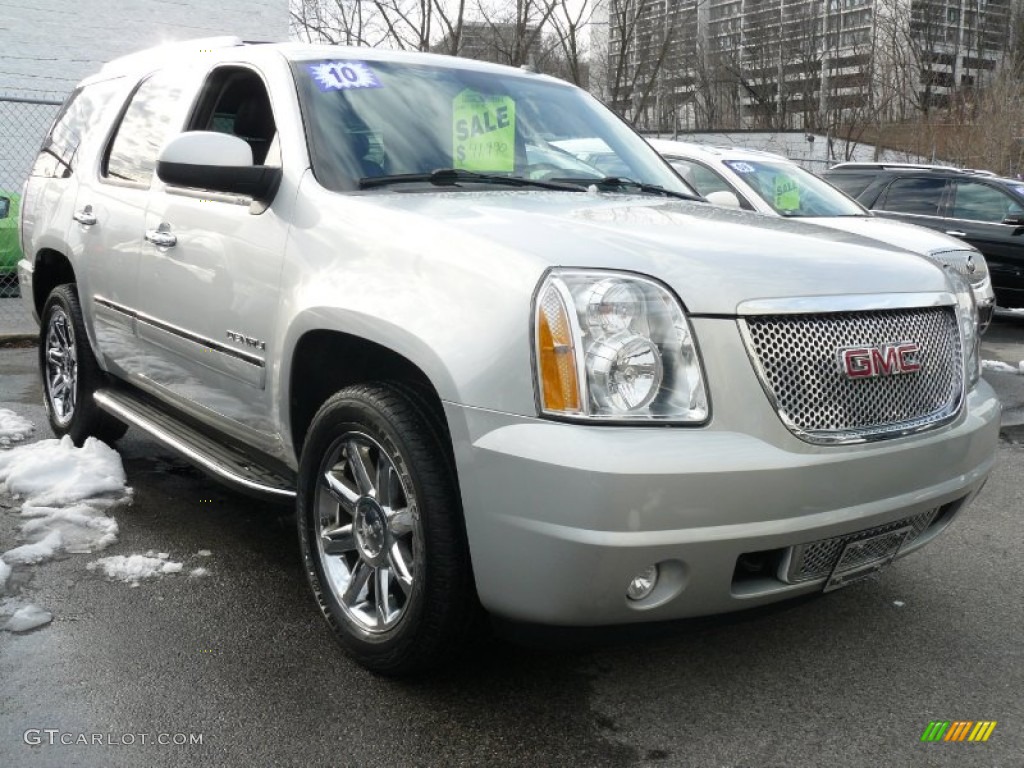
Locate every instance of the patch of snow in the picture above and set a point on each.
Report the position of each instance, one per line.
(28, 554)
(56, 473)
(13, 427)
(132, 569)
(197, 573)
(204, 553)
(83, 528)
(5, 571)
(1001, 367)
(898, 603)
(26, 618)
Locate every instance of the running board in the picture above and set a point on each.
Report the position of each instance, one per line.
(224, 462)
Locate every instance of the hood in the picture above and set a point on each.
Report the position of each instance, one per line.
(714, 258)
(922, 240)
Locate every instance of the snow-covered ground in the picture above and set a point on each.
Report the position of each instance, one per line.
(65, 497)
(1001, 367)
(13, 428)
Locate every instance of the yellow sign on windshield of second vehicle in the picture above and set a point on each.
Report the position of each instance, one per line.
(483, 132)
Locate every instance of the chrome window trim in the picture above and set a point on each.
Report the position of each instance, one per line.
(816, 305)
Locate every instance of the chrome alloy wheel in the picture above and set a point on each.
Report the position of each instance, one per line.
(369, 535)
(61, 366)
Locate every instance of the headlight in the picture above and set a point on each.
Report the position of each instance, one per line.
(615, 347)
(970, 329)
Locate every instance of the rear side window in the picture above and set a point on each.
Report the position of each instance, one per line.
(58, 157)
(850, 183)
(918, 196)
(144, 129)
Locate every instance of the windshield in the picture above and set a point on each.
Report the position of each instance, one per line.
(792, 191)
(374, 120)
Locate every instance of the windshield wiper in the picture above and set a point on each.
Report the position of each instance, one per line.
(450, 177)
(622, 183)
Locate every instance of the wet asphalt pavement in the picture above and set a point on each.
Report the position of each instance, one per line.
(241, 659)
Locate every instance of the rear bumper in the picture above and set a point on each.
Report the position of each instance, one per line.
(561, 517)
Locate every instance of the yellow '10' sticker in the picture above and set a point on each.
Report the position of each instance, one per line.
(483, 132)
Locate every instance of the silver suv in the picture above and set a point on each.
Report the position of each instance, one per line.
(488, 374)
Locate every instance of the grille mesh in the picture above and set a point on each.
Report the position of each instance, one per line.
(799, 367)
(817, 559)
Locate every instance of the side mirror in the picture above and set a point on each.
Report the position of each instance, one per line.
(723, 198)
(218, 162)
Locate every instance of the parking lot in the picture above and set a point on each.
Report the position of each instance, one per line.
(236, 667)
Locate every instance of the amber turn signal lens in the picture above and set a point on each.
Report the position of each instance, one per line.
(559, 384)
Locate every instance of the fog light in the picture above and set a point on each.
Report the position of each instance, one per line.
(643, 583)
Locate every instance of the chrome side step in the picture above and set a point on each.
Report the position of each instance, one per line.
(224, 462)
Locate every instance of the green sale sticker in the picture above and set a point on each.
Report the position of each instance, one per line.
(483, 132)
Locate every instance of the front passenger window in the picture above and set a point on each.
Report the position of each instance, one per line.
(980, 202)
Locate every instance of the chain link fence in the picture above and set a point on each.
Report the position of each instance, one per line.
(23, 124)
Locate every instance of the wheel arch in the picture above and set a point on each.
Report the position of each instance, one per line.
(51, 268)
(324, 361)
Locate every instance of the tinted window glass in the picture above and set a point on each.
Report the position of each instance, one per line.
(920, 196)
(980, 202)
(851, 183)
(143, 129)
(58, 155)
(700, 178)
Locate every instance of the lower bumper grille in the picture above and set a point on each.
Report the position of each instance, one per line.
(808, 562)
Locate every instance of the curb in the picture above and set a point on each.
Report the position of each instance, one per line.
(18, 340)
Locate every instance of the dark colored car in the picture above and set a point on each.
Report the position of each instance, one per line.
(982, 209)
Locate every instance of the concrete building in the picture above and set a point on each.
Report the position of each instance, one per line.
(802, 64)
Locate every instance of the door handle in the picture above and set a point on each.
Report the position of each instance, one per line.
(956, 233)
(85, 216)
(162, 237)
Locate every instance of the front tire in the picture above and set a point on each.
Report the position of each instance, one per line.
(70, 372)
(381, 530)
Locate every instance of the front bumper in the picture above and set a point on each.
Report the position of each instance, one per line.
(561, 517)
(25, 272)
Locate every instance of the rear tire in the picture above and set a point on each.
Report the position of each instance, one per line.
(381, 530)
(70, 372)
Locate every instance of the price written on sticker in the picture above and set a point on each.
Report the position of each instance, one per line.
(484, 132)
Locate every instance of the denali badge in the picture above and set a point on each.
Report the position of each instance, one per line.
(249, 341)
(882, 360)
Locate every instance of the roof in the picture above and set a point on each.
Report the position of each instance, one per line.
(709, 152)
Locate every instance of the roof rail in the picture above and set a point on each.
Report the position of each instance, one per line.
(168, 50)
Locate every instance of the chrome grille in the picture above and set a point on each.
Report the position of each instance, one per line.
(958, 262)
(797, 360)
(817, 559)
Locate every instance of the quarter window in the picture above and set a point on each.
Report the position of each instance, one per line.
(144, 129)
(58, 155)
(917, 196)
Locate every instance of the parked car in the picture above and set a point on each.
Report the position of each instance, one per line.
(772, 184)
(335, 277)
(10, 248)
(973, 206)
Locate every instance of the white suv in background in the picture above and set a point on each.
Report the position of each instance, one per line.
(773, 184)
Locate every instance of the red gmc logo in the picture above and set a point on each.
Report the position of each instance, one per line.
(882, 360)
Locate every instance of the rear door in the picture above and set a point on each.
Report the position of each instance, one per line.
(916, 200)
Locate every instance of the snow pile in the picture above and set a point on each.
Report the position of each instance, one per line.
(132, 569)
(1001, 367)
(56, 473)
(13, 427)
(68, 490)
(5, 571)
(198, 573)
(26, 618)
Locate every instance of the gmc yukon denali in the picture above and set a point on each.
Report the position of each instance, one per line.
(491, 377)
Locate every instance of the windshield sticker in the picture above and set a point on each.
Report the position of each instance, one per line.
(483, 132)
(787, 194)
(342, 75)
(741, 167)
